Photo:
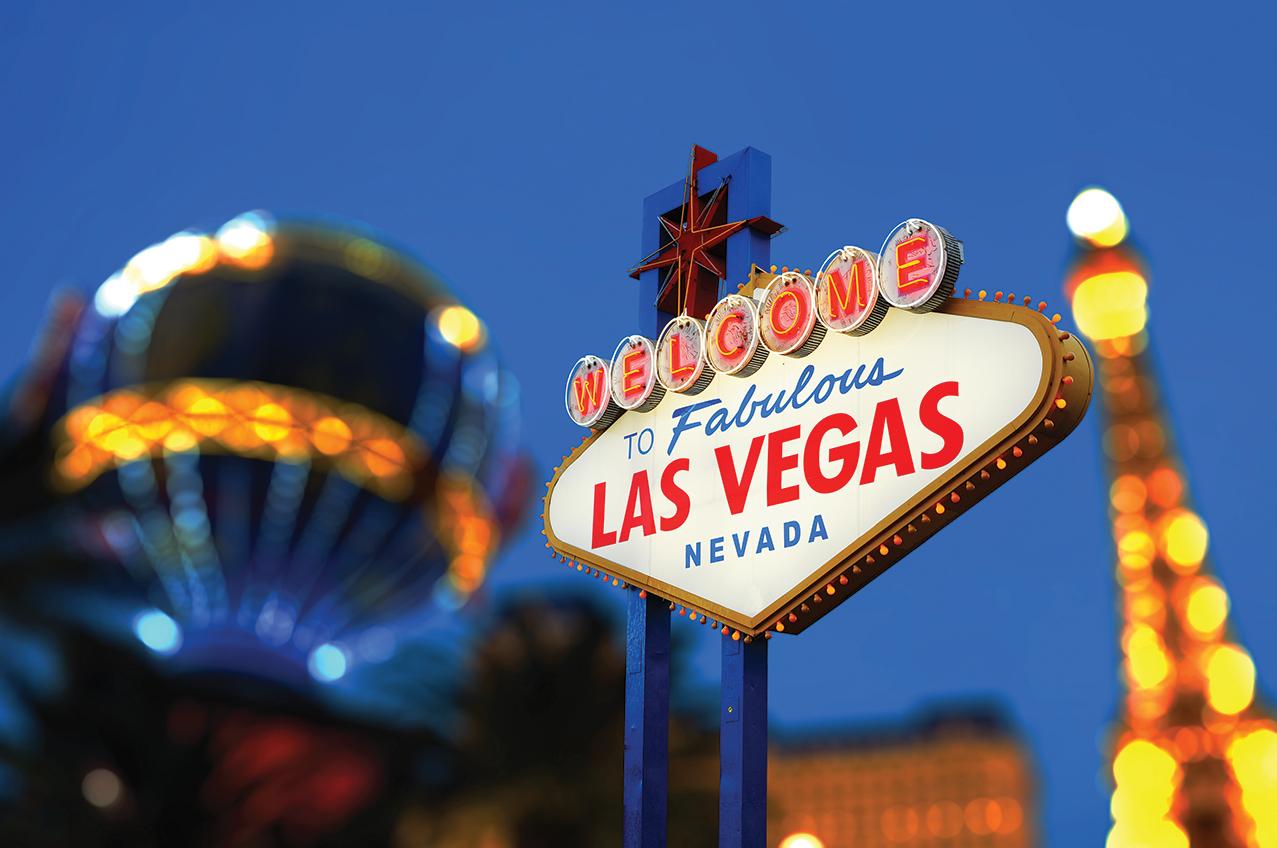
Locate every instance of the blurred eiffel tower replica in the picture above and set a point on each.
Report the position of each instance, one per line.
(1194, 756)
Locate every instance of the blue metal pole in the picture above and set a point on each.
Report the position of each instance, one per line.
(647, 721)
(742, 784)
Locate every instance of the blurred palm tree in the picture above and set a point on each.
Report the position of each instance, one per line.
(540, 741)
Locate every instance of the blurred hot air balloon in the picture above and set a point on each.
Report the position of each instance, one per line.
(274, 449)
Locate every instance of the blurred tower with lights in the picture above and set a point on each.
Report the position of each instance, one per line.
(1194, 757)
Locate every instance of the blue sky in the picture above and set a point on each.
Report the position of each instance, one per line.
(511, 146)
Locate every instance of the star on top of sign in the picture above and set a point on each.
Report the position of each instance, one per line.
(693, 250)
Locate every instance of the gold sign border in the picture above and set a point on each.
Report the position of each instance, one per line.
(1058, 405)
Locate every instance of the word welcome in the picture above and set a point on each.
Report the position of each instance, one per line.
(916, 270)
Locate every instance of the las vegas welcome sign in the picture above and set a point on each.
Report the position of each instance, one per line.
(760, 466)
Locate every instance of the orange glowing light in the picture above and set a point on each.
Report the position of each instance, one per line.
(1128, 493)
(1165, 488)
(250, 419)
(1207, 607)
(944, 819)
(1230, 678)
(271, 422)
(801, 840)
(1096, 217)
(1111, 305)
(1135, 550)
(466, 527)
(1183, 539)
(246, 241)
(1148, 773)
(1253, 757)
(460, 327)
(331, 435)
(1147, 664)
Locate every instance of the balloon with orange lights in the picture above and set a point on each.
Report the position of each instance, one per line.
(294, 440)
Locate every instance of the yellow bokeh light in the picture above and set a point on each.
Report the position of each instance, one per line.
(460, 327)
(1135, 549)
(331, 435)
(1183, 539)
(275, 423)
(180, 440)
(1111, 305)
(1165, 487)
(801, 840)
(1254, 758)
(271, 422)
(1147, 833)
(1206, 608)
(1146, 768)
(246, 241)
(1230, 679)
(1096, 217)
(1128, 493)
(1147, 665)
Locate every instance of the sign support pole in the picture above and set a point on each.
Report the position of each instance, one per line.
(742, 785)
(647, 720)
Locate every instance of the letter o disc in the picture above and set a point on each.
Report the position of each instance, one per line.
(787, 316)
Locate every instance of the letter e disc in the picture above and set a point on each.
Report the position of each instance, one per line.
(918, 266)
(634, 383)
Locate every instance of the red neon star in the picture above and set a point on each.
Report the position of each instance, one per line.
(694, 248)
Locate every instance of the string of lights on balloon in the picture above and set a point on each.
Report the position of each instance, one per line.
(1064, 413)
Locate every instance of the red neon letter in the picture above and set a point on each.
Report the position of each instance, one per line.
(778, 462)
(887, 420)
(736, 487)
(638, 508)
(838, 306)
(626, 388)
(903, 264)
(798, 307)
(588, 389)
(940, 424)
(675, 494)
(677, 366)
(848, 454)
(600, 538)
(718, 337)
